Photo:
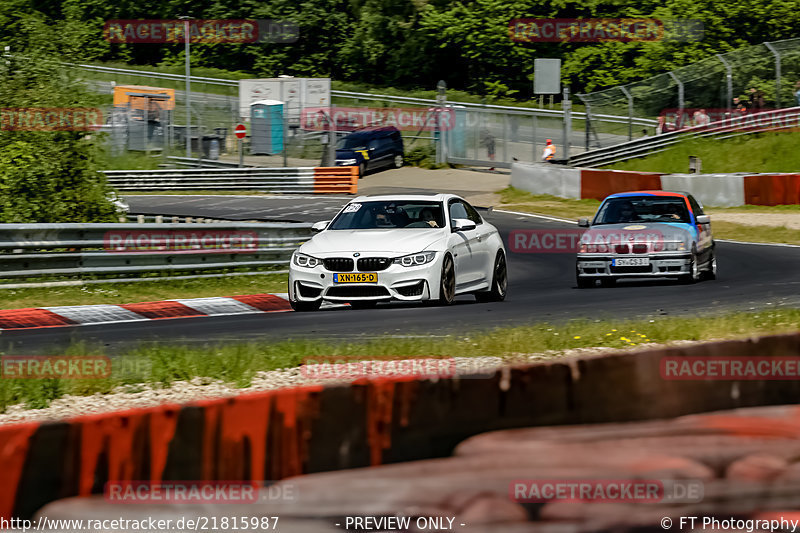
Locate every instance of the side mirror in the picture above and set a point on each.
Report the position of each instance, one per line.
(319, 226)
(463, 224)
(703, 219)
(583, 222)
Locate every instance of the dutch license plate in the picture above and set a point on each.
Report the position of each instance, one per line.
(631, 262)
(355, 277)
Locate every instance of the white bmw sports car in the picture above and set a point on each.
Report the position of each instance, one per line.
(406, 248)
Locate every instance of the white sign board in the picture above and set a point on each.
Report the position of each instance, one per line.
(546, 76)
(296, 93)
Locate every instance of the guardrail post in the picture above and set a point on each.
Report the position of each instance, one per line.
(728, 80)
(777, 74)
(630, 110)
(566, 107)
(588, 122)
(680, 98)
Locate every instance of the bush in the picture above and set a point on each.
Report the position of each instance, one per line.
(423, 157)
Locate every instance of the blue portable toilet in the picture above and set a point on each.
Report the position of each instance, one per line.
(266, 127)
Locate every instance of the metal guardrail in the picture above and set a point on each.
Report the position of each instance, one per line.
(204, 163)
(776, 120)
(110, 250)
(299, 180)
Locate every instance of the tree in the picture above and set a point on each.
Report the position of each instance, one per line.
(47, 176)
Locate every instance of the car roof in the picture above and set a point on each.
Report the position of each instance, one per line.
(678, 194)
(423, 197)
(373, 130)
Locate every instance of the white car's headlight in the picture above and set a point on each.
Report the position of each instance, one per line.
(346, 162)
(304, 260)
(415, 259)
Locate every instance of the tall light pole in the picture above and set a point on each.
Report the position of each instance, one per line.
(186, 38)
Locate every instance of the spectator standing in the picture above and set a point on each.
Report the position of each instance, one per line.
(549, 151)
(756, 99)
(487, 140)
(700, 118)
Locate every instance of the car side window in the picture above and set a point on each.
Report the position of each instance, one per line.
(457, 210)
(696, 207)
(472, 214)
(372, 144)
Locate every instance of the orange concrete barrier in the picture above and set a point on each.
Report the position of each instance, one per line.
(336, 180)
(772, 189)
(598, 184)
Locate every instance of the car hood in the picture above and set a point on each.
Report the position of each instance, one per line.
(668, 231)
(349, 154)
(390, 242)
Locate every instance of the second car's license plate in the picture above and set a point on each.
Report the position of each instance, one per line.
(631, 262)
(355, 277)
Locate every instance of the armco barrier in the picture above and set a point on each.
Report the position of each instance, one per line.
(598, 184)
(724, 190)
(107, 250)
(276, 434)
(300, 180)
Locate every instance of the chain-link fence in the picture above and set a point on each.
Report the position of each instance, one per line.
(473, 134)
(758, 77)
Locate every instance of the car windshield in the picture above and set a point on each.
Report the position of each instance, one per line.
(643, 209)
(391, 214)
(351, 143)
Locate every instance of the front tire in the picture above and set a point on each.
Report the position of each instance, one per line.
(362, 168)
(305, 306)
(694, 270)
(447, 282)
(711, 272)
(499, 281)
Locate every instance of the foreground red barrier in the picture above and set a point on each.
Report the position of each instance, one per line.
(277, 434)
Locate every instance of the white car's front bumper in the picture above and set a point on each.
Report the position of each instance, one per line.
(396, 282)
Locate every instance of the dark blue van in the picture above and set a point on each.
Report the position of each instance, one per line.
(371, 148)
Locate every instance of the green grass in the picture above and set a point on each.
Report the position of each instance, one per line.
(238, 363)
(516, 200)
(766, 152)
(143, 291)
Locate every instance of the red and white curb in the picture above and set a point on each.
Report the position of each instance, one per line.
(80, 315)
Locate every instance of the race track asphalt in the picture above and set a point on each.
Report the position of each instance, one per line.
(541, 288)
